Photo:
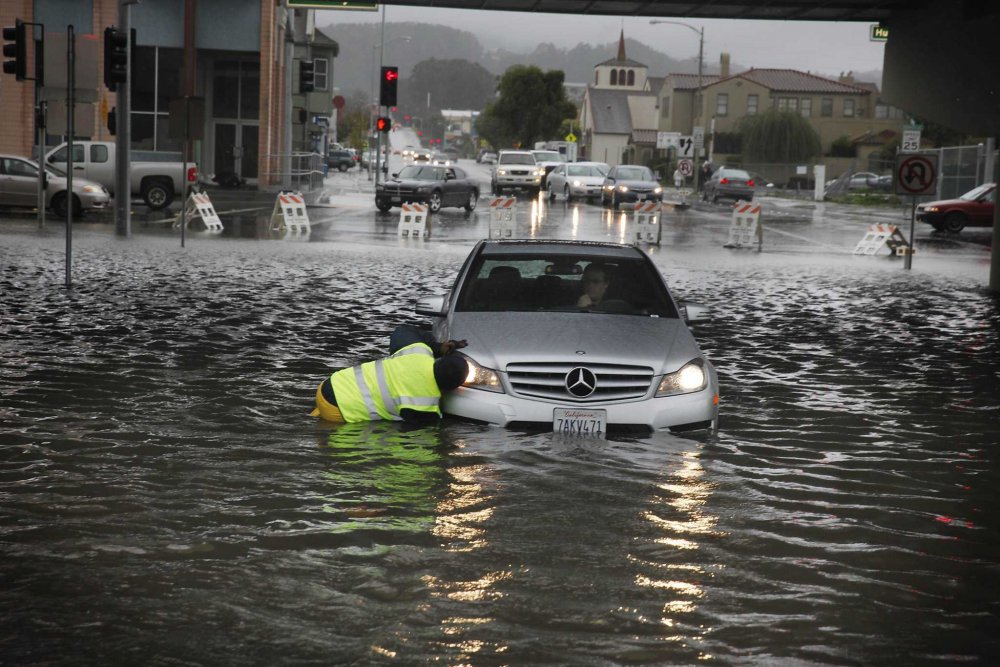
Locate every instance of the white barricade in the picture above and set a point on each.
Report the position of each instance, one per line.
(199, 205)
(745, 228)
(503, 217)
(647, 221)
(413, 221)
(290, 214)
(882, 236)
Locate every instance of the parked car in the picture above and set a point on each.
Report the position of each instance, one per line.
(537, 359)
(727, 183)
(437, 186)
(973, 209)
(156, 182)
(340, 159)
(577, 180)
(516, 170)
(19, 188)
(630, 183)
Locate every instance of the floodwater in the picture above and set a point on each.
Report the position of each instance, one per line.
(167, 501)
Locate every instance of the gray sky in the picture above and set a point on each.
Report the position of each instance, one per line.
(824, 47)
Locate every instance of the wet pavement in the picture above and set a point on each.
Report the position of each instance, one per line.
(166, 500)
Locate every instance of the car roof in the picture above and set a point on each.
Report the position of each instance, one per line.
(557, 247)
(516, 151)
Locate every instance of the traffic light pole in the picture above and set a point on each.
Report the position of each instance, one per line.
(123, 134)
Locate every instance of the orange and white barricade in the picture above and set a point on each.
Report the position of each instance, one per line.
(503, 217)
(745, 228)
(199, 205)
(413, 221)
(290, 214)
(646, 216)
(883, 236)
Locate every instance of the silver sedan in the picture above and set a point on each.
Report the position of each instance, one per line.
(19, 188)
(574, 337)
(577, 180)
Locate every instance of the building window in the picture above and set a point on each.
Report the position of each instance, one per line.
(722, 104)
(597, 77)
(321, 67)
(151, 97)
(631, 77)
(849, 108)
(614, 77)
(881, 111)
(826, 107)
(806, 106)
(665, 108)
(752, 102)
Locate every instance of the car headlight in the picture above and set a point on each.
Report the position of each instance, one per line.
(480, 377)
(622, 188)
(932, 209)
(501, 172)
(577, 184)
(689, 378)
(657, 190)
(539, 172)
(92, 189)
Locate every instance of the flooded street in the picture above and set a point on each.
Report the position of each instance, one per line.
(166, 499)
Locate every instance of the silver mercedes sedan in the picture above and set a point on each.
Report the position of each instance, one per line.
(573, 336)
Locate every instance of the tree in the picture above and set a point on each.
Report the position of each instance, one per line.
(779, 136)
(842, 147)
(530, 106)
(447, 84)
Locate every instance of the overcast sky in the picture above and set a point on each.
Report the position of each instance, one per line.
(827, 48)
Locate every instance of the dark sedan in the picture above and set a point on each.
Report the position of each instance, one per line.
(973, 209)
(437, 186)
(728, 183)
(630, 183)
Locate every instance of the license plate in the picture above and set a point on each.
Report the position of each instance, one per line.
(641, 198)
(580, 423)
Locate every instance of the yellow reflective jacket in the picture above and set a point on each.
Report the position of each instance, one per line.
(380, 389)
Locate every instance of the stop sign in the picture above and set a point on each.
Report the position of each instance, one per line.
(338, 102)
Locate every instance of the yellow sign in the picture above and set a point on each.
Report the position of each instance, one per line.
(570, 137)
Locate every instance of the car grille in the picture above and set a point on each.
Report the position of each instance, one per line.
(548, 380)
(518, 172)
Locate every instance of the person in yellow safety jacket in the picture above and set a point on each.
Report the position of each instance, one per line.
(405, 386)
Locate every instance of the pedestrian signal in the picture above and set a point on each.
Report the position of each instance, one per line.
(307, 76)
(16, 49)
(383, 124)
(387, 90)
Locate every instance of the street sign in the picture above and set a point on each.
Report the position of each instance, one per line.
(685, 147)
(571, 138)
(667, 139)
(698, 134)
(916, 174)
(879, 33)
(686, 167)
(911, 141)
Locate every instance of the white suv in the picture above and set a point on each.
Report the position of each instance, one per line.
(516, 170)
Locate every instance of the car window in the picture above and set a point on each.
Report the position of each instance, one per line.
(517, 158)
(734, 173)
(13, 167)
(98, 153)
(508, 283)
(548, 156)
(976, 193)
(60, 155)
(634, 173)
(584, 170)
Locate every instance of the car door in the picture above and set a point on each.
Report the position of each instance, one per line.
(452, 191)
(981, 212)
(18, 183)
(557, 179)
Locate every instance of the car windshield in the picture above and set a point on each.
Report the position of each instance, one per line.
(734, 173)
(422, 173)
(537, 282)
(976, 193)
(548, 156)
(517, 158)
(584, 170)
(634, 173)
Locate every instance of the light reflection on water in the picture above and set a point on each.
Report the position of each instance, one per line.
(166, 499)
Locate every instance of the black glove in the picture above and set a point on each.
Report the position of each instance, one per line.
(450, 346)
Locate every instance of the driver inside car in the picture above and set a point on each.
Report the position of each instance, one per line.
(595, 285)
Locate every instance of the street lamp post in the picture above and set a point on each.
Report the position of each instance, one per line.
(696, 102)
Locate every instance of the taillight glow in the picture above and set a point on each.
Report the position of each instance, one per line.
(750, 182)
(723, 181)
(192, 175)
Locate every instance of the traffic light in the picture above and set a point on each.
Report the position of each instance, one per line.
(387, 89)
(383, 124)
(17, 49)
(307, 76)
(115, 58)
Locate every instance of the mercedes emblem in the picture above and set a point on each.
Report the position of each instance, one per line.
(581, 382)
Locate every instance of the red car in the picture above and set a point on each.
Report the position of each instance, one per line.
(973, 209)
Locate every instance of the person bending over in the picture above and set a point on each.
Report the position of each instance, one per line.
(405, 386)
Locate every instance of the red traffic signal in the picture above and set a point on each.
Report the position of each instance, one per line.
(383, 124)
(387, 89)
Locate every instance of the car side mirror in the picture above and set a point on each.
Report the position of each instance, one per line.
(435, 306)
(694, 313)
(395, 174)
